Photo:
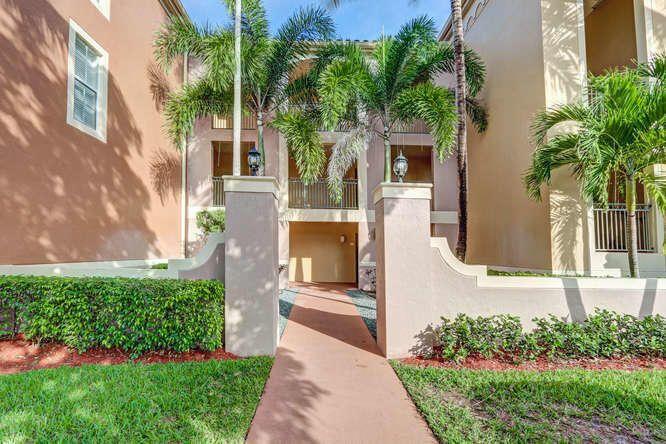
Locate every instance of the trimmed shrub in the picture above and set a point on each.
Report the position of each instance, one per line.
(211, 221)
(604, 334)
(135, 315)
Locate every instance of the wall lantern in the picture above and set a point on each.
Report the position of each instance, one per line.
(400, 167)
(254, 161)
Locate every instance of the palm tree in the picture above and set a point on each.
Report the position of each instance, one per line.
(461, 139)
(267, 68)
(238, 88)
(461, 105)
(372, 94)
(619, 132)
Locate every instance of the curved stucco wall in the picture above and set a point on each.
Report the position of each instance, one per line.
(419, 280)
(458, 288)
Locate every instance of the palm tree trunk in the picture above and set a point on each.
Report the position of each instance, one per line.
(632, 227)
(461, 89)
(260, 141)
(387, 155)
(237, 92)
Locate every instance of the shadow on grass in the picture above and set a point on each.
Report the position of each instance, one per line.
(565, 405)
(187, 402)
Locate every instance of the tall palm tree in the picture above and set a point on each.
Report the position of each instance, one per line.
(372, 94)
(461, 135)
(619, 132)
(238, 12)
(267, 68)
(461, 91)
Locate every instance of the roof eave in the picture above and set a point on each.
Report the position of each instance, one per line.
(174, 8)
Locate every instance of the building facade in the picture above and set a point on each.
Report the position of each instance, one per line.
(320, 240)
(86, 172)
(538, 55)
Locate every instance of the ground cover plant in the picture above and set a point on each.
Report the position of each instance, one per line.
(603, 335)
(212, 401)
(134, 315)
(554, 406)
(211, 221)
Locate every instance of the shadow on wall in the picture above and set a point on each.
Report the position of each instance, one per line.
(159, 86)
(561, 47)
(65, 196)
(165, 174)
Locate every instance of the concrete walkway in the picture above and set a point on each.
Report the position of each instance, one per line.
(330, 383)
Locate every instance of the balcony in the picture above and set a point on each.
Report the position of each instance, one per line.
(418, 127)
(248, 122)
(610, 224)
(316, 196)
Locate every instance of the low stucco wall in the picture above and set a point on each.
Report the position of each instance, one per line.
(459, 288)
(419, 280)
(207, 264)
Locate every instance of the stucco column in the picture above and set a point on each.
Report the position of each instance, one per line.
(565, 77)
(283, 228)
(251, 265)
(403, 253)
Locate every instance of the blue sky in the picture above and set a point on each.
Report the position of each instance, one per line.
(358, 19)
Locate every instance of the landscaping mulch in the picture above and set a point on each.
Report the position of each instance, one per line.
(19, 355)
(542, 364)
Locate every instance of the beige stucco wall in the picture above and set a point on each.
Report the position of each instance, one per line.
(407, 258)
(505, 227)
(66, 196)
(316, 253)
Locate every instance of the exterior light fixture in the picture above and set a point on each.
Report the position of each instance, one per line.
(254, 161)
(400, 167)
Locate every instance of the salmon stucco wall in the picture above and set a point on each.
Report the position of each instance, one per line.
(64, 195)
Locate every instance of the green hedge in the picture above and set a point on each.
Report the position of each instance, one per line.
(604, 334)
(135, 315)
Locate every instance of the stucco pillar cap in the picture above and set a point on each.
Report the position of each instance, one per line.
(397, 190)
(251, 184)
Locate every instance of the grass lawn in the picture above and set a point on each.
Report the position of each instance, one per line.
(211, 401)
(554, 406)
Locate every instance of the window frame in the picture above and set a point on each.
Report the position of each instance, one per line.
(99, 132)
(104, 6)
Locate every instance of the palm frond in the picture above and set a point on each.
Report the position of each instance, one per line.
(477, 113)
(177, 37)
(397, 60)
(475, 69)
(340, 84)
(344, 154)
(561, 150)
(435, 106)
(193, 101)
(548, 119)
(293, 42)
(304, 142)
(655, 188)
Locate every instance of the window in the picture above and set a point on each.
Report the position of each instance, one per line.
(104, 7)
(87, 83)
